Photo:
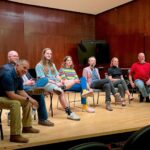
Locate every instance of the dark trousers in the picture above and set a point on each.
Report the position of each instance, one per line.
(106, 85)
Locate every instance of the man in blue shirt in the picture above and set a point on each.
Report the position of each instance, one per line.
(12, 96)
(28, 84)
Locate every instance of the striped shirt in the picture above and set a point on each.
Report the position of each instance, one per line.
(68, 73)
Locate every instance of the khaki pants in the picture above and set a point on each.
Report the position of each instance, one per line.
(15, 114)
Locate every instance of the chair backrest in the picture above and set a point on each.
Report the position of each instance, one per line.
(90, 146)
(138, 140)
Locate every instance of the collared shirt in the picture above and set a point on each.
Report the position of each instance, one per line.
(9, 81)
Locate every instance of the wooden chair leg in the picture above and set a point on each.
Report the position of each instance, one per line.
(51, 104)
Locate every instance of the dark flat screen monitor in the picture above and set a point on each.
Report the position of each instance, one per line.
(97, 48)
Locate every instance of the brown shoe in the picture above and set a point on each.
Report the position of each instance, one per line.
(46, 123)
(30, 130)
(18, 139)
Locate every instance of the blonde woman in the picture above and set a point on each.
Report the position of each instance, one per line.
(115, 75)
(46, 68)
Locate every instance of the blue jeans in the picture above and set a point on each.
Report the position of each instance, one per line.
(41, 82)
(142, 88)
(42, 112)
(79, 87)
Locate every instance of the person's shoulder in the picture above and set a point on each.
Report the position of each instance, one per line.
(86, 68)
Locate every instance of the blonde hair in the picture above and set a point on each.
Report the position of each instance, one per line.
(45, 63)
(111, 63)
(64, 62)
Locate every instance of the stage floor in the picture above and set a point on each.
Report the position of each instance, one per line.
(100, 123)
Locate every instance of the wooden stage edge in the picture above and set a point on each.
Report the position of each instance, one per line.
(101, 123)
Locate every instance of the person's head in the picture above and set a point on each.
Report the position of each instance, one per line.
(22, 67)
(114, 62)
(13, 56)
(92, 61)
(141, 57)
(46, 56)
(68, 62)
(47, 60)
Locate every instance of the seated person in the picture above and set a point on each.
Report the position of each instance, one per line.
(93, 78)
(12, 96)
(46, 68)
(68, 74)
(13, 57)
(139, 76)
(115, 75)
(30, 84)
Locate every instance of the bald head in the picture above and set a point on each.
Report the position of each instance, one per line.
(13, 56)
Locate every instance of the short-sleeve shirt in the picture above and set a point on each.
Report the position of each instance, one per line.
(140, 71)
(115, 72)
(9, 81)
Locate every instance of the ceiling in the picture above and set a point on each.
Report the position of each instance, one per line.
(83, 6)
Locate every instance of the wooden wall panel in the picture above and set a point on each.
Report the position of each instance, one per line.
(125, 29)
(29, 29)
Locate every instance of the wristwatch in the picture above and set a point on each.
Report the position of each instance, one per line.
(27, 98)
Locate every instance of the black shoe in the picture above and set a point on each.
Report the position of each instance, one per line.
(141, 98)
(147, 99)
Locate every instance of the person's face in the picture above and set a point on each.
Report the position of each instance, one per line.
(141, 58)
(48, 55)
(115, 62)
(68, 62)
(22, 69)
(92, 61)
(13, 57)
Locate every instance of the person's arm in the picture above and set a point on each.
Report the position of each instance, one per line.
(148, 82)
(131, 81)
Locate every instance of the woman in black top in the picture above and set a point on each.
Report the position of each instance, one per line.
(115, 75)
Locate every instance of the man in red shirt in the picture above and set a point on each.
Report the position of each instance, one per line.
(140, 73)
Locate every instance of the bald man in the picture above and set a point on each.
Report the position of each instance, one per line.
(13, 58)
(139, 77)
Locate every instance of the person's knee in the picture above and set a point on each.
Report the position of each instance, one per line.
(15, 104)
(119, 86)
(106, 86)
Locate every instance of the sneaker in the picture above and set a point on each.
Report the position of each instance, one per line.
(73, 116)
(46, 123)
(89, 110)
(57, 90)
(87, 94)
(18, 139)
(30, 130)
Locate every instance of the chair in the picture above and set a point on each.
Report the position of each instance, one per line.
(75, 96)
(90, 146)
(1, 128)
(138, 140)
